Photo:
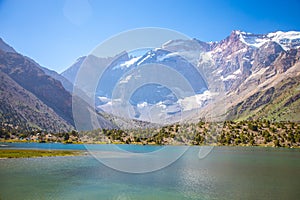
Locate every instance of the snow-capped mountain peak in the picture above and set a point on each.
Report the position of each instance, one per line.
(286, 40)
(233, 68)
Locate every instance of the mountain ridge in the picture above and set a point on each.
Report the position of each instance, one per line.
(259, 72)
(241, 61)
(36, 98)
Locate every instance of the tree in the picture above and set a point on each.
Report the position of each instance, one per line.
(74, 133)
(66, 137)
(276, 143)
(253, 127)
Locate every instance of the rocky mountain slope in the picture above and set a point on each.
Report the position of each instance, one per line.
(243, 74)
(34, 97)
(28, 75)
(5, 47)
(70, 73)
(20, 109)
(65, 82)
(257, 72)
(30, 98)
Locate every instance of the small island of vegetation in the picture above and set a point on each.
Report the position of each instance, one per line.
(30, 153)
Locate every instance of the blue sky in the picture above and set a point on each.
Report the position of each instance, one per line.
(56, 32)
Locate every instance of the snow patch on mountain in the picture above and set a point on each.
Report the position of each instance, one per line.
(169, 55)
(126, 79)
(144, 59)
(229, 77)
(287, 40)
(277, 36)
(253, 40)
(142, 105)
(104, 99)
(130, 62)
(239, 71)
(196, 101)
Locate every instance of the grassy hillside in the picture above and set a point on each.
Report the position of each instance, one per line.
(278, 103)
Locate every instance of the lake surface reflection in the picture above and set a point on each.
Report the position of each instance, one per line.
(226, 173)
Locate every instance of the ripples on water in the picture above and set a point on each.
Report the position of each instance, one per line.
(226, 173)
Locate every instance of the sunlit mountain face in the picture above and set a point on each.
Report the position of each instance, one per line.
(160, 94)
(245, 75)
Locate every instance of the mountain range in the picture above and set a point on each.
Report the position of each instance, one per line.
(244, 76)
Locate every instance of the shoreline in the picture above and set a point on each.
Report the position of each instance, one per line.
(148, 144)
(15, 153)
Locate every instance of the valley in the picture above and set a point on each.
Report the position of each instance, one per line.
(246, 92)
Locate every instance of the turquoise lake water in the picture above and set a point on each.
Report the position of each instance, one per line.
(225, 173)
